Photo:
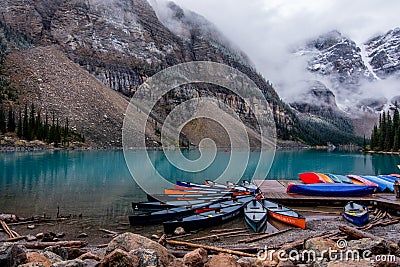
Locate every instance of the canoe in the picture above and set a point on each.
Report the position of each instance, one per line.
(250, 186)
(389, 178)
(211, 190)
(395, 175)
(205, 219)
(310, 178)
(333, 178)
(255, 215)
(382, 183)
(284, 214)
(167, 198)
(156, 205)
(181, 212)
(201, 186)
(344, 179)
(360, 180)
(331, 190)
(196, 192)
(220, 212)
(228, 186)
(325, 178)
(356, 214)
(163, 215)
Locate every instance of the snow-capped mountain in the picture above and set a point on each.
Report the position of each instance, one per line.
(356, 73)
(384, 53)
(339, 58)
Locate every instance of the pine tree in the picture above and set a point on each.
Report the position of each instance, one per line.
(364, 144)
(11, 125)
(52, 131)
(396, 142)
(66, 133)
(2, 120)
(32, 123)
(39, 127)
(25, 125)
(46, 136)
(382, 131)
(388, 133)
(395, 128)
(19, 127)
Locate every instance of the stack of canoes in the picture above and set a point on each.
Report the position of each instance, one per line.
(319, 184)
(193, 206)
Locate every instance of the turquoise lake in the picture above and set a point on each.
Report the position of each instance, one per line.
(98, 183)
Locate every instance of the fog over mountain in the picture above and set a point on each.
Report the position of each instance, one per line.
(270, 31)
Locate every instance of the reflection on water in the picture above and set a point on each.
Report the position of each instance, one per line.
(98, 183)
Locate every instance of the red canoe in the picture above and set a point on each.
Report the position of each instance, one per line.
(311, 178)
(358, 179)
(395, 175)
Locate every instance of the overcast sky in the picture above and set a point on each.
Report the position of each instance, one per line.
(267, 29)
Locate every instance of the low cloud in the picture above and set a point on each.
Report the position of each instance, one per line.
(269, 30)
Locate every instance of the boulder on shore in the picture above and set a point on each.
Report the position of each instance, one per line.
(196, 258)
(129, 241)
(222, 260)
(120, 258)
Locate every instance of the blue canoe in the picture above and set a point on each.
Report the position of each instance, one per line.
(389, 178)
(382, 183)
(331, 190)
(356, 214)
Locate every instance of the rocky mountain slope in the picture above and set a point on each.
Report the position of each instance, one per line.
(118, 44)
(384, 53)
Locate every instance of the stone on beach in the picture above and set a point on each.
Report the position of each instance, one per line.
(121, 258)
(179, 231)
(376, 246)
(147, 257)
(222, 260)
(130, 241)
(319, 245)
(196, 258)
(36, 257)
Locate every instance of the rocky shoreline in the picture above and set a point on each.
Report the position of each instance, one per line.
(11, 143)
(70, 242)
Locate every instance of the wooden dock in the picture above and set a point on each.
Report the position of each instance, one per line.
(275, 190)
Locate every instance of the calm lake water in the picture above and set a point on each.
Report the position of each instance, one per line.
(99, 184)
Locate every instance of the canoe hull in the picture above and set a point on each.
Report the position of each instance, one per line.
(297, 222)
(257, 226)
(382, 183)
(331, 190)
(284, 214)
(358, 221)
(203, 221)
(356, 214)
(310, 178)
(255, 215)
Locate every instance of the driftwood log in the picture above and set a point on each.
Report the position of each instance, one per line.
(227, 230)
(42, 245)
(210, 248)
(232, 233)
(7, 229)
(39, 221)
(13, 239)
(253, 239)
(358, 234)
